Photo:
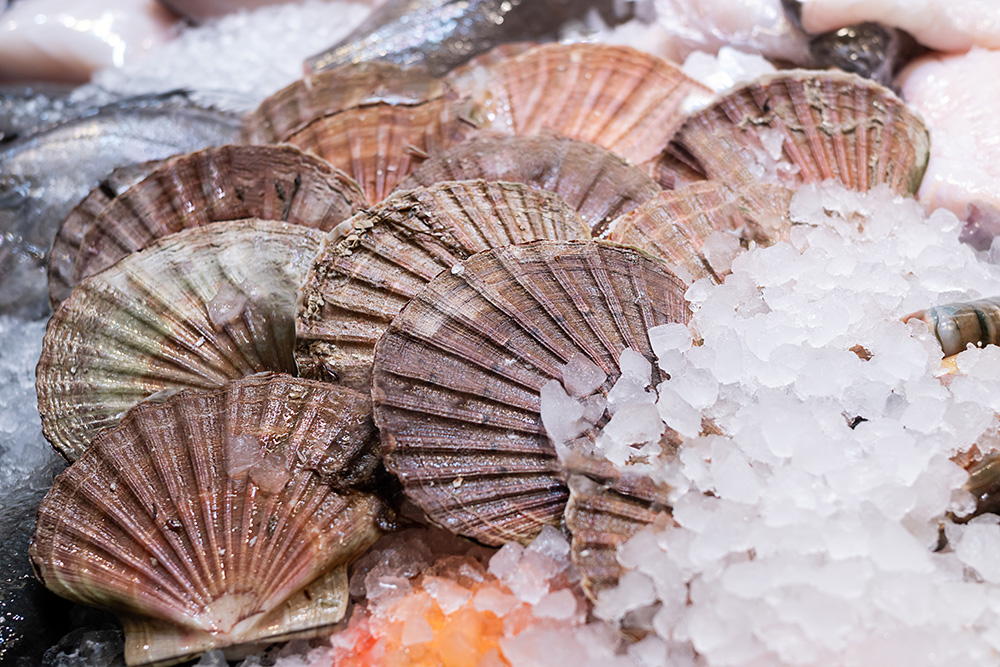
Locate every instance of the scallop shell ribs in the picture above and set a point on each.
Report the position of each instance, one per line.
(216, 518)
(195, 310)
(385, 255)
(458, 376)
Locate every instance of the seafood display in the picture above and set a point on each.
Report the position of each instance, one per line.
(44, 174)
(438, 35)
(525, 305)
(217, 518)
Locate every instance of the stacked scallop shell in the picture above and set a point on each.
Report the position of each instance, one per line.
(430, 241)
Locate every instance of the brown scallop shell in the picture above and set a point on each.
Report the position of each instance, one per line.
(675, 223)
(217, 518)
(597, 183)
(196, 309)
(381, 144)
(211, 185)
(833, 125)
(457, 377)
(625, 100)
(603, 513)
(385, 255)
(325, 93)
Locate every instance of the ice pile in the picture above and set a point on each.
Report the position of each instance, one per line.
(815, 531)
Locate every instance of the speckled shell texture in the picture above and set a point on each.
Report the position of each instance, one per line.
(625, 100)
(457, 377)
(379, 259)
(830, 125)
(598, 184)
(212, 185)
(326, 93)
(195, 309)
(217, 518)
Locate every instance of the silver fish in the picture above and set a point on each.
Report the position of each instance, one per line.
(439, 35)
(43, 175)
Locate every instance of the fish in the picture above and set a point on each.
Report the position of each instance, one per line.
(439, 35)
(44, 174)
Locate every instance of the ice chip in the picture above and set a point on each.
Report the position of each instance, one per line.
(561, 414)
(581, 376)
(635, 366)
(677, 413)
(669, 338)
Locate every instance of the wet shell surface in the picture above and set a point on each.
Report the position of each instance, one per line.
(212, 185)
(194, 310)
(325, 93)
(601, 515)
(625, 100)
(381, 144)
(957, 325)
(379, 259)
(675, 224)
(217, 518)
(597, 183)
(799, 127)
(458, 375)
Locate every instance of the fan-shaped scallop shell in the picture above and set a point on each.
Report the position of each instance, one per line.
(217, 518)
(602, 513)
(625, 100)
(196, 309)
(212, 185)
(800, 126)
(457, 377)
(326, 93)
(597, 183)
(380, 144)
(387, 254)
(675, 223)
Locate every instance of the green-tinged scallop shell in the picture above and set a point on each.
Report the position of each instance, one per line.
(211, 185)
(196, 309)
(217, 518)
(595, 182)
(458, 375)
(800, 126)
(379, 259)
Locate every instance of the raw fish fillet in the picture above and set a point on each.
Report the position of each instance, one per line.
(68, 40)
(945, 25)
(958, 96)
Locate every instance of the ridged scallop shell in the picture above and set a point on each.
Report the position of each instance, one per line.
(380, 144)
(212, 185)
(597, 183)
(830, 125)
(217, 518)
(385, 255)
(457, 377)
(196, 309)
(675, 224)
(625, 100)
(326, 93)
(603, 513)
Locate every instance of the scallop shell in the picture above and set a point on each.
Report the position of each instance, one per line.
(625, 100)
(603, 513)
(216, 518)
(457, 377)
(597, 183)
(800, 126)
(323, 94)
(387, 254)
(675, 224)
(212, 185)
(196, 309)
(380, 144)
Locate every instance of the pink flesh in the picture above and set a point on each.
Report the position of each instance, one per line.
(68, 40)
(958, 100)
(946, 25)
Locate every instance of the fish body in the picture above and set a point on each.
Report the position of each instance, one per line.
(438, 35)
(43, 175)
